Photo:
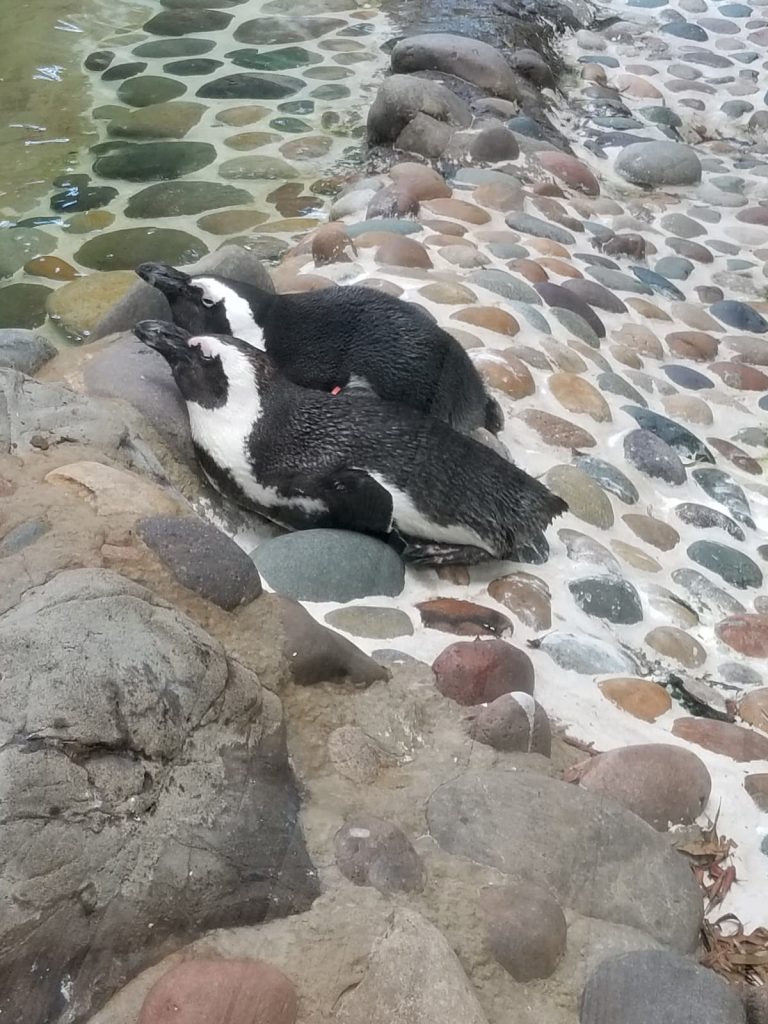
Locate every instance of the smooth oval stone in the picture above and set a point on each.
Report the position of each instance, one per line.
(529, 225)
(153, 161)
(587, 655)
(580, 548)
(174, 48)
(562, 298)
(250, 86)
(23, 305)
(657, 283)
(686, 377)
(585, 498)
(271, 31)
(708, 596)
(501, 283)
(674, 643)
(594, 294)
(659, 163)
(77, 200)
(608, 597)
(160, 121)
(681, 226)
(331, 92)
(531, 314)
(685, 30)
(192, 66)
(617, 281)
(122, 71)
(708, 519)
(178, 198)
(126, 249)
(257, 167)
(654, 457)
(675, 267)
(145, 90)
(719, 486)
(181, 22)
(99, 60)
(609, 477)
(616, 385)
(678, 437)
(731, 565)
(739, 315)
(274, 60)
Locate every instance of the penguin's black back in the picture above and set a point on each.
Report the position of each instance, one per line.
(323, 338)
(449, 477)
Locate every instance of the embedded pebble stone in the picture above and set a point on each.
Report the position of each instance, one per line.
(706, 595)
(753, 709)
(371, 622)
(372, 851)
(269, 168)
(355, 755)
(501, 283)
(674, 643)
(526, 596)
(250, 86)
(652, 531)
(145, 90)
(682, 440)
(654, 457)
(479, 672)
(659, 163)
(686, 377)
(581, 548)
(741, 376)
(609, 478)
(757, 787)
(585, 498)
(464, 618)
(284, 59)
(491, 318)
(638, 697)
(513, 722)
(251, 991)
(153, 161)
(730, 564)
(663, 784)
(587, 655)
(734, 741)
(739, 315)
(506, 373)
(579, 396)
(611, 598)
(179, 198)
(525, 929)
(160, 121)
(126, 249)
(616, 385)
(530, 225)
(704, 518)
(564, 300)
(725, 491)
(174, 47)
(571, 171)
(329, 565)
(655, 985)
(556, 431)
(747, 634)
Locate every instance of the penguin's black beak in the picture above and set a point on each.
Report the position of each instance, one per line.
(165, 278)
(167, 339)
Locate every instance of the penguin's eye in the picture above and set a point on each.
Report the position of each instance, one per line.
(208, 303)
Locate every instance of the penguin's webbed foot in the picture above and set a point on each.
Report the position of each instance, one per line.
(425, 554)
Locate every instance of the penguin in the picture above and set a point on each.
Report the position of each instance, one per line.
(339, 338)
(307, 459)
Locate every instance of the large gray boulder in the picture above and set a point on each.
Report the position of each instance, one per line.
(145, 794)
(402, 97)
(25, 351)
(659, 163)
(588, 852)
(475, 62)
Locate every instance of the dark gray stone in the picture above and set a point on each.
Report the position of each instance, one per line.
(401, 97)
(530, 225)
(154, 161)
(24, 351)
(594, 294)
(587, 655)
(616, 385)
(608, 597)
(609, 477)
(504, 284)
(145, 90)
(289, 29)
(686, 444)
(371, 851)
(654, 457)
(637, 880)
(707, 597)
(564, 298)
(720, 486)
(704, 518)
(731, 565)
(202, 559)
(659, 163)
(652, 985)
(248, 85)
(182, 21)
(329, 565)
(739, 315)
(183, 198)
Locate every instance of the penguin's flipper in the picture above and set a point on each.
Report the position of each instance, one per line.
(425, 554)
(356, 501)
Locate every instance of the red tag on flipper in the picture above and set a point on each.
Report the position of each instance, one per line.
(336, 390)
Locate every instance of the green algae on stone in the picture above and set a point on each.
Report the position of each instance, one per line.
(331, 92)
(226, 221)
(125, 249)
(181, 22)
(18, 245)
(23, 305)
(154, 161)
(250, 167)
(273, 60)
(290, 125)
(107, 111)
(158, 121)
(251, 140)
(174, 48)
(296, 107)
(77, 307)
(192, 66)
(179, 198)
(271, 31)
(145, 90)
(328, 73)
(250, 86)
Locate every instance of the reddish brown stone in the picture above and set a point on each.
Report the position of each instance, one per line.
(641, 339)
(526, 596)
(221, 992)
(736, 455)
(558, 266)
(647, 309)
(399, 251)
(757, 787)
(490, 317)
(547, 188)
(479, 672)
(530, 270)
(499, 195)
(464, 618)
(747, 634)
(694, 345)
(507, 373)
(732, 741)
(457, 208)
(741, 376)
(571, 171)
(661, 783)
(638, 697)
(556, 431)
(579, 396)
(329, 245)
(421, 181)
(753, 709)
(514, 721)
(445, 227)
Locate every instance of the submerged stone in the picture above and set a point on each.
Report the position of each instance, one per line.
(145, 90)
(178, 198)
(154, 161)
(251, 86)
(182, 21)
(273, 60)
(270, 31)
(174, 48)
(124, 250)
(23, 305)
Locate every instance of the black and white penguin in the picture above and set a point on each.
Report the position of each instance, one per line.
(307, 459)
(336, 338)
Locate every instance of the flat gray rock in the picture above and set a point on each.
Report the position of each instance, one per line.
(590, 853)
(401, 97)
(647, 986)
(659, 163)
(479, 63)
(24, 351)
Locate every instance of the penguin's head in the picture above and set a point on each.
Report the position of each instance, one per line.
(208, 369)
(205, 304)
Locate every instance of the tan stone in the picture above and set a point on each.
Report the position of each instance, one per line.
(529, 269)
(640, 339)
(399, 251)
(557, 432)
(652, 531)
(249, 113)
(638, 697)
(547, 247)
(421, 181)
(447, 293)
(490, 317)
(498, 195)
(679, 646)
(694, 316)
(635, 557)
(507, 373)
(754, 709)
(647, 309)
(459, 209)
(694, 345)
(526, 596)
(578, 396)
(687, 407)
(627, 356)
(559, 266)
(116, 492)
